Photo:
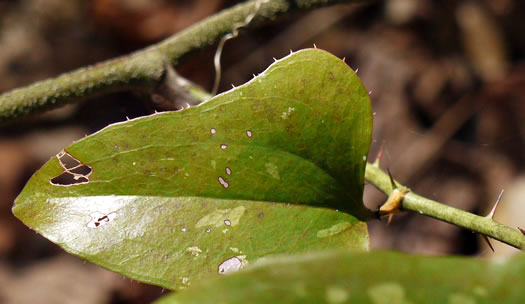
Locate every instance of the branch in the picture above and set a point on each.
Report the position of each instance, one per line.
(145, 69)
(413, 202)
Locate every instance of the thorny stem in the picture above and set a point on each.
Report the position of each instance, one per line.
(145, 69)
(412, 202)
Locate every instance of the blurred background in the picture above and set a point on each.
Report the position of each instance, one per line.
(447, 82)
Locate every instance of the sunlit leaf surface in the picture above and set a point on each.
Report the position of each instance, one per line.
(273, 166)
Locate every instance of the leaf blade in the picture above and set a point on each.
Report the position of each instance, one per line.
(298, 135)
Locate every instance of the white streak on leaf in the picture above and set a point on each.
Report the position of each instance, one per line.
(335, 229)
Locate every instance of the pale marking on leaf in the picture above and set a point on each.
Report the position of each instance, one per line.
(285, 115)
(228, 171)
(208, 230)
(336, 295)
(99, 219)
(236, 250)
(335, 229)
(480, 291)
(249, 133)
(183, 229)
(387, 293)
(195, 251)
(458, 298)
(272, 169)
(213, 131)
(218, 216)
(299, 288)
(224, 146)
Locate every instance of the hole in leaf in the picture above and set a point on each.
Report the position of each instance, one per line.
(231, 265)
(75, 172)
(67, 161)
(223, 182)
(99, 219)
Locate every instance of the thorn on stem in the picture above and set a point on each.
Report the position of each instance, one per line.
(522, 230)
(392, 182)
(390, 217)
(491, 213)
(379, 155)
(488, 242)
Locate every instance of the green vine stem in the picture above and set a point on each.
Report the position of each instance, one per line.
(412, 202)
(145, 69)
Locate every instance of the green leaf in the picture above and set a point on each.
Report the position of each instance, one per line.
(173, 197)
(353, 277)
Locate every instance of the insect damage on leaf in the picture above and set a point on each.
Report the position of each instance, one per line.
(232, 264)
(100, 219)
(75, 172)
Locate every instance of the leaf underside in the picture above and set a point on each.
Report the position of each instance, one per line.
(273, 166)
(357, 277)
